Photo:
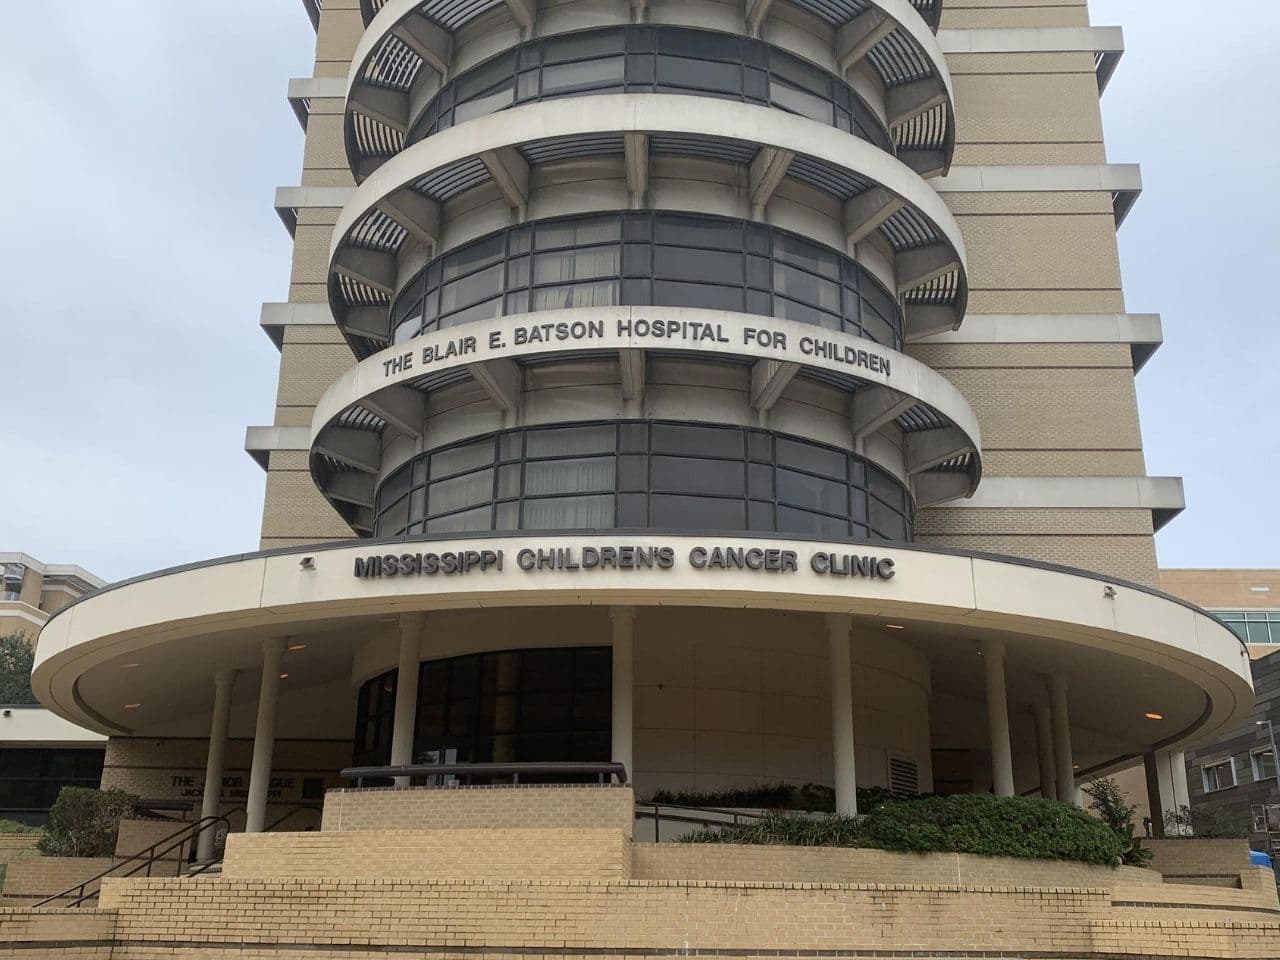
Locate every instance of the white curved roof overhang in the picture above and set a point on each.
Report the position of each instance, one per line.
(405, 37)
(1112, 641)
(942, 440)
(403, 202)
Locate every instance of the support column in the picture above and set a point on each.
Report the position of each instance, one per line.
(406, 712)
(1155, 802)
(998, 717)
(623, 734)
(839, 630)
(1044, 750)
(1062, 740)
(264, 736)
(223, 682)
(1181, 795)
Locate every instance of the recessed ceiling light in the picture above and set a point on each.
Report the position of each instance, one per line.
(132, 706)
(284, 676)
(1154, 716)
(129, 666)
(894, 626)
(297, 646)
(1075, 766)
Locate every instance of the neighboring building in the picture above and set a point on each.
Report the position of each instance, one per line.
(41, 752)
(740, 393)
(1232, 778)
(31, 592)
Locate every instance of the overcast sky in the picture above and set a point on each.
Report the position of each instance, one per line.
(143, 142)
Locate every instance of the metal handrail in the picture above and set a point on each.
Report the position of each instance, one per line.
(208, 865)
(603, 772)
(690, 816)
(148, 856)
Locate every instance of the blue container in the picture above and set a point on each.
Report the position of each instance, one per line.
(1260, 859)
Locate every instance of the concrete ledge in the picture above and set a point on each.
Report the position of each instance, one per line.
(276, 316)
(260, 441)
(1160, 495)
(1142, 331)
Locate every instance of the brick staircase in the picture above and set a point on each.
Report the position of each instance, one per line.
(501, 872)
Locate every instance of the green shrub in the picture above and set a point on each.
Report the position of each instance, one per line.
(13, 826)
(1206, 824)
(1109, 803)
(84, 822)
(16, 658)
(1026, 827)
(992, 826)
(814, 797)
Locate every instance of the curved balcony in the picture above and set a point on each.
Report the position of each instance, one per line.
(864, 195)
(412, 67)
(816, 386)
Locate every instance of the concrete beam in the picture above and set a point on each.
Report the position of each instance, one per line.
(769, 378)
(632, 368)
(909, 100)
(500, 380)
(510, 172)
(1141, 331)
(636, 148)
(919, 265)
(768, 168)
(302, 90)
(865, 213)
(403, 408)
(353, 488)
(1042, 178)
(372, 322)
(860, 35)
(388, 107)
(419, 215)
(276, 316)
(873, 407)
(754, 14)
(432, 43)
(525, 13)
(928, 448)
(370, 267)
(926, 320)
(931, 488)
(261, 442)
(361, 449)
(361, 520)
(927, 163)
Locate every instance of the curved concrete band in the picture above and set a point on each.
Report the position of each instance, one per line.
(394, 17)
(759, 339)
(657, 114)
(277, 593)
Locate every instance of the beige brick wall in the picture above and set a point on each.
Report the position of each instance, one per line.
(39, 877)
(68, 934)
(173, 769)
(570, 918)
(489, 853)
(776, 864)
(478, 808)
(977, 14)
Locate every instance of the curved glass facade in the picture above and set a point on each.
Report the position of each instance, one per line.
(513, 706)
(652, 59)
(645, 475)
(650, 259)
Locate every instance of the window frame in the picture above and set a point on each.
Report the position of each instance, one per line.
(1229, 763)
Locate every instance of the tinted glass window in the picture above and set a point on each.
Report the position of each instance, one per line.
(656, 475)
(692, 261)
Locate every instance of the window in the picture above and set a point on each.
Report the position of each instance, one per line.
(1264, 764)
(648, 258)
(30, 779)
(1252, 626)
(515, 706)
(1219, 775)
(11, 576)
(651, 59)
(645, 475)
